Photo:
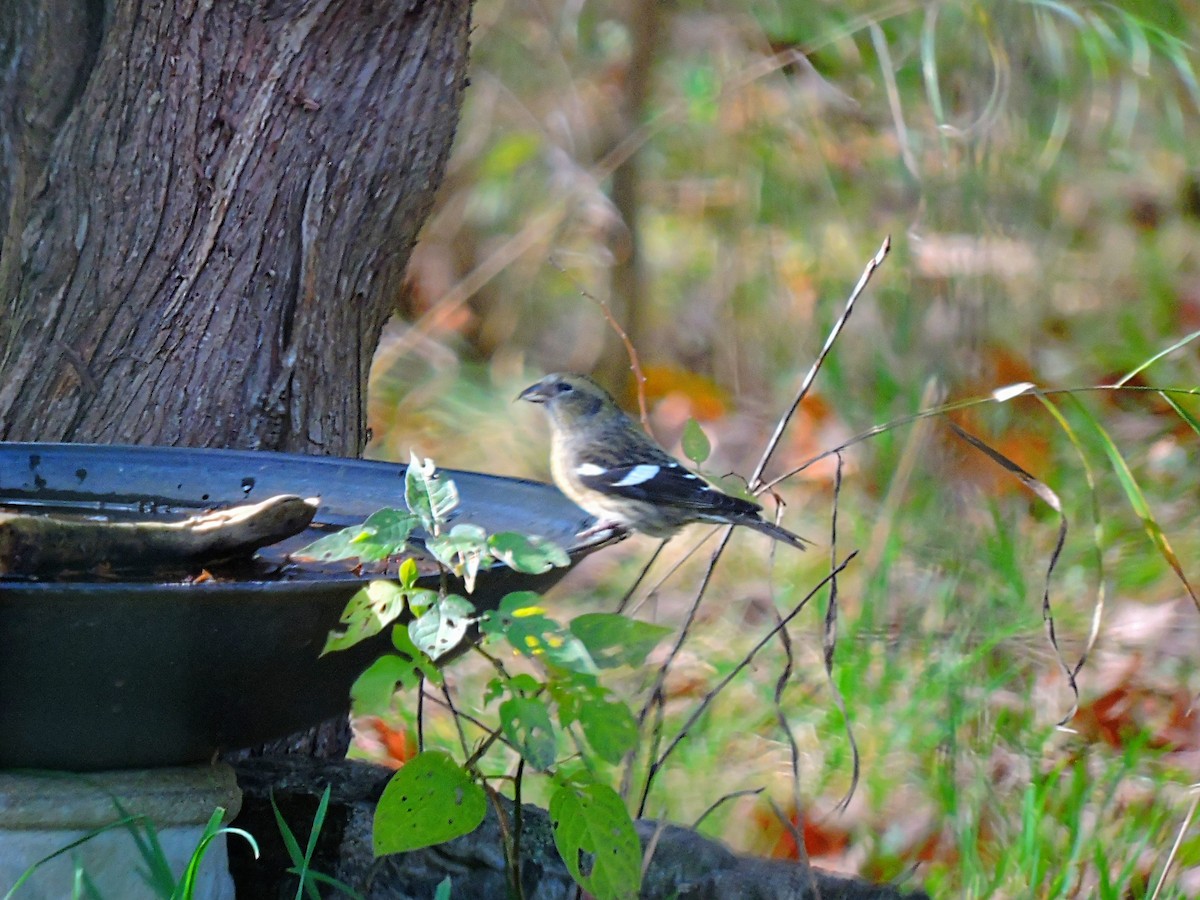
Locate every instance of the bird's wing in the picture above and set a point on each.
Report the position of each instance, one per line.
(661, 481)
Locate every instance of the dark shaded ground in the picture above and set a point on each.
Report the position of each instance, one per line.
(684, 863)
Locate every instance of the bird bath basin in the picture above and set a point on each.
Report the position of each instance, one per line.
(99, 673)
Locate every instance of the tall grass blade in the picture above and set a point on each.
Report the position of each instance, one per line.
(1137, 500)
(1141, 367)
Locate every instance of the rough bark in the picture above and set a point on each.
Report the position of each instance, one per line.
(206, 208)
(209, 210)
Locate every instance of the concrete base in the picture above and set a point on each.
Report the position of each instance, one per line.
(41, 813)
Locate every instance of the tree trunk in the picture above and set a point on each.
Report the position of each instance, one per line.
(206, 208)
(210, 206)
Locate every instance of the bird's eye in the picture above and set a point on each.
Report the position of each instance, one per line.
(561, 387)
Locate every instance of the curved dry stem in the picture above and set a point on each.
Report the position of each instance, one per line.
(829, 644)
(1051, 499)
(1097, 529)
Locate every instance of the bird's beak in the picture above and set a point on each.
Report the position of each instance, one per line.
(535, 393)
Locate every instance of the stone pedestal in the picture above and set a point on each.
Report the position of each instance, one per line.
(43, 812)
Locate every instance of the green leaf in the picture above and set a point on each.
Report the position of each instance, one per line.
(431, 800)
(389, 530)
(443, 626)
(461, 551)
(526, 723)
(408, 573)
(429, 496)
(367, 613)
(385, 533)
(696, 445)
(613, 640)
(402, 642)
(495, 690)
(339, 545)
(596, 839)
(419, 601)
(526, 553)
(532, 633)
(609, 727)
(372, 691)
(443, 889)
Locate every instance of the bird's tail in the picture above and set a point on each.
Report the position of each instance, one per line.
(779, 534)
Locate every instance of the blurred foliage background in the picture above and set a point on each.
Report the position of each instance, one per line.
(718, 173)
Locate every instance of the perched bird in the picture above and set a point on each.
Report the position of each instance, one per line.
(602, 460)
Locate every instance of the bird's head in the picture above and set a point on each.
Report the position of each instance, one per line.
(569, 399)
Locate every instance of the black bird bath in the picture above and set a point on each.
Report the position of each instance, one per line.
(113, 674)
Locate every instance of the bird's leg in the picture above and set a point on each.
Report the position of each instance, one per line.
(612, 530)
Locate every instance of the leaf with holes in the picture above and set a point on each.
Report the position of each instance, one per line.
(596, 839)
(461, 551)
(534, 634)
(372, 691)
(402, 642)
(385, 533)
(442, 626)
(367, 613)
(431, 800)
(696, 445)
(526, 723)
(527, 553)
(613, 640)
(429, 496)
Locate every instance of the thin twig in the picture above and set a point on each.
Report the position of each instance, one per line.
(492, 735)
(675, 567)
(700, 709)
(518, 819)
(637, 581)
(797, 830)
(685, 630)
(506, 843)
(1183, 827)
(421, 712)
(721, 801)
(953, 406)
(635, 365)
(873, 264)
(660, 825)
(462, 735)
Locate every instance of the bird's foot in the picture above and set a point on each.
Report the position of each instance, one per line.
(608, 531)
